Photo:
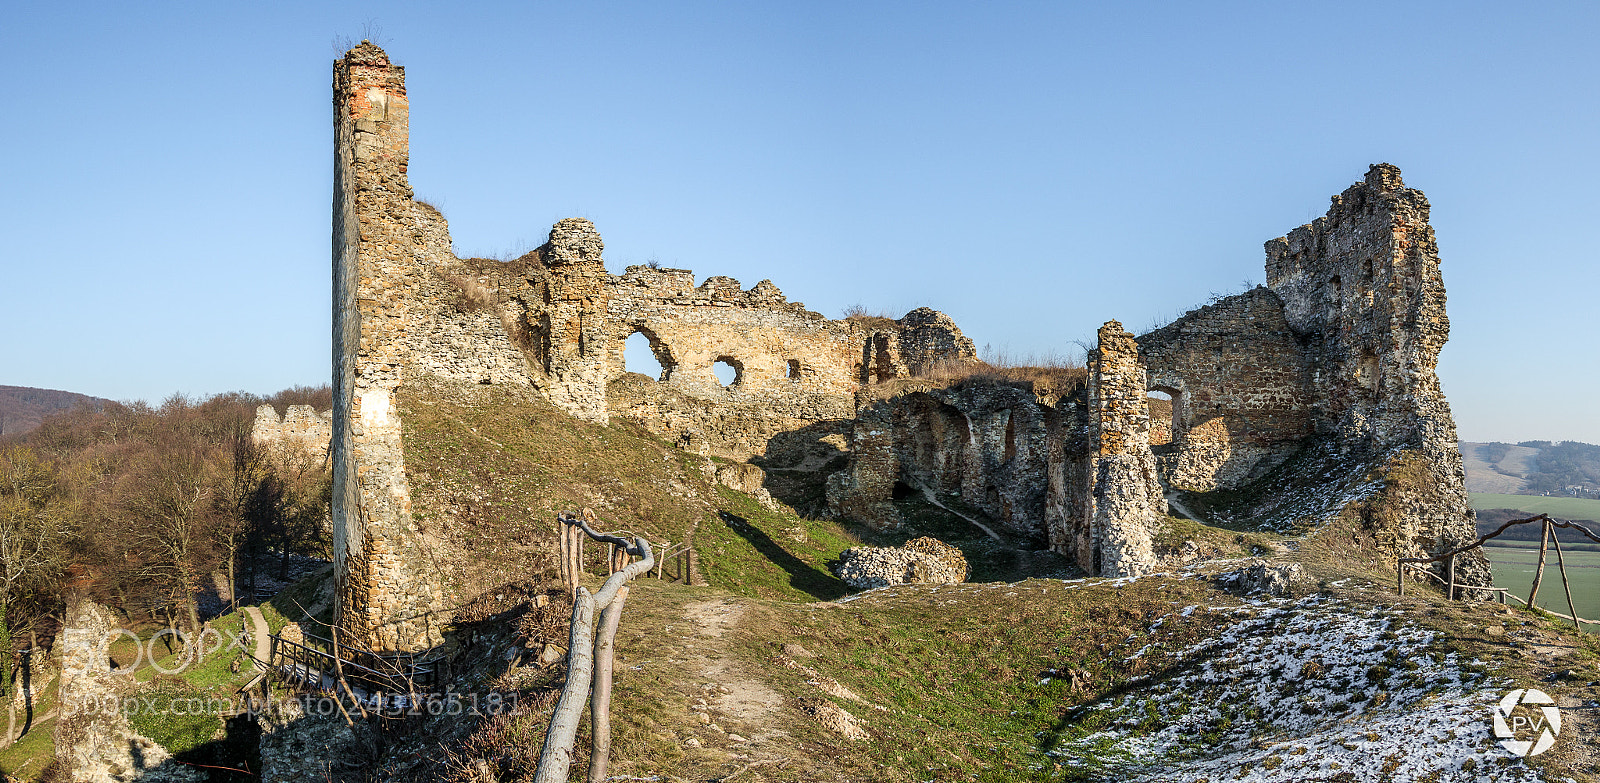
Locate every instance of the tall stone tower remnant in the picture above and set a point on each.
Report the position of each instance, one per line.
(1362, 288)
(385, 595)
(408, 312)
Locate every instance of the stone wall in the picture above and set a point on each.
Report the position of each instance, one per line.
(1342, 343)
(1362, 291)
(300, 430)
(94, 742)
(1126, 500)
(405, 307)
(1241, 390)
(380, 244)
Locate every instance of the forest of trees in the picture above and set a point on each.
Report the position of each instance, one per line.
(138, 505)
(1562, 465)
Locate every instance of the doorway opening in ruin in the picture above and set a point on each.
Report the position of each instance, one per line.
(793, 373)
(1164, 404)
(729, 371)
(903, 491)
(644, 353)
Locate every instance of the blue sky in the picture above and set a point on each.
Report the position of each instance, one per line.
(1031, 169)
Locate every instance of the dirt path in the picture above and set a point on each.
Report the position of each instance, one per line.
(1172, 500)
(929, 494)
(259, 631)
(737, 705)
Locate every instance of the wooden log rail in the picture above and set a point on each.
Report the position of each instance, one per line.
(1547, 538)
(589, 659)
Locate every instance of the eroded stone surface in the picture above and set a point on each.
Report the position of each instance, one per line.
(301, 430)
(94, 743)
(1127, 502)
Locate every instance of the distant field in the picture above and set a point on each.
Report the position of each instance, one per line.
(1560, 508)
(1513, 568)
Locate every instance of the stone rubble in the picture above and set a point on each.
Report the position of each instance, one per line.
(921, 561)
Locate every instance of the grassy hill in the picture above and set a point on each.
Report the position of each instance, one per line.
(773, 672)
(1534, 467)
(1558, 507)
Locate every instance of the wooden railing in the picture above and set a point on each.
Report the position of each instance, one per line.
(589, 653)
(369, 678)
(1453, 589)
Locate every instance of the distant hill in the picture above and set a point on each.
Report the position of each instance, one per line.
(1534, 467)
(22, 408)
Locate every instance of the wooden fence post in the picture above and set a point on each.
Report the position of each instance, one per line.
(561, 538)
(600, 706)
(1450, 578)
(1561, 563)
(1538, 572)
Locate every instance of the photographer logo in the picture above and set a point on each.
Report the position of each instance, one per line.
(1533, 728)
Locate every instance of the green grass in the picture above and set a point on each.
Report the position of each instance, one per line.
(27, 757)
(192, 738)
(755, 552)
(491, 465)
(1560, 508)
(313, 593)
(1513, 567)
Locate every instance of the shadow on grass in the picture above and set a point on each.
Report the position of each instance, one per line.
(802, 576)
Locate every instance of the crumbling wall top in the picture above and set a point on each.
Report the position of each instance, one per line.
(574, 241)
(367, 53)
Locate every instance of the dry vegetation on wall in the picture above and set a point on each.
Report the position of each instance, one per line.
(865, 316)
(1050, 375)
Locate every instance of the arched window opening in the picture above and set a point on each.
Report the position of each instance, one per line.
(729, 371)
(645, 354)
(1011, 438)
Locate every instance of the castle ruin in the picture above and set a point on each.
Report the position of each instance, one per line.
(1335, 356)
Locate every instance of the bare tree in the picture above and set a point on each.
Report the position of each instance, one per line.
(171, 502)
(34, 526)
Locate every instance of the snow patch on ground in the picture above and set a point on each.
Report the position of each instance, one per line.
(1309, 689)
